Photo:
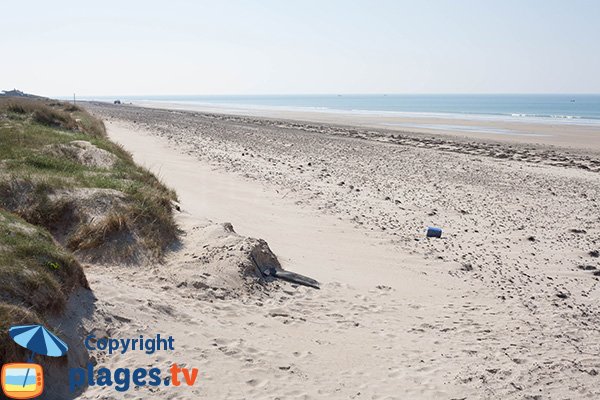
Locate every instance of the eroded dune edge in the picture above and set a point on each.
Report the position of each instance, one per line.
(74, 203)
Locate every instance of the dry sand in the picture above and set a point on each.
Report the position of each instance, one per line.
(505, 306)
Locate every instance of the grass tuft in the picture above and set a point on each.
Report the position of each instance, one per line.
(91, 236)
(54, 118)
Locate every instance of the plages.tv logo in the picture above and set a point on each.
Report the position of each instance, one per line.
(26, 380)
(122, 379)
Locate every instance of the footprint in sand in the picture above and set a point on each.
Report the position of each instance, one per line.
(257, 383)
(301, 354)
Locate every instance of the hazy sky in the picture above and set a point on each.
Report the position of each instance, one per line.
(282, 46)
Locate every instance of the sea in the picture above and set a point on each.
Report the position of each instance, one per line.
(572, 108)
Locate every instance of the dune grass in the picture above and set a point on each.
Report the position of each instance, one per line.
(42, 233)
(37, 272)
(38, 276)
(29, 174)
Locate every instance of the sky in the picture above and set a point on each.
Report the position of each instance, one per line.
(108, 47)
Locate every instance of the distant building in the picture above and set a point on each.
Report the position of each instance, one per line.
(16, 93)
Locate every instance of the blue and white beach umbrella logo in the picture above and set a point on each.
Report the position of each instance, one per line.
(39, 340)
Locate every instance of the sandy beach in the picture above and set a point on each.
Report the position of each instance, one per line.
(503, 306)
(270, 200)
(569, 133)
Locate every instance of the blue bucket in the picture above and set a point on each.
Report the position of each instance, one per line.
(434, 232)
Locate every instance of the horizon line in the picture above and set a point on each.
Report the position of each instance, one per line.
(342, 94)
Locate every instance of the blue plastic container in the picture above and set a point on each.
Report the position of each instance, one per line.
(434, 232)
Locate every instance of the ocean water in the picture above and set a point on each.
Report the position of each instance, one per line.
(570, 107)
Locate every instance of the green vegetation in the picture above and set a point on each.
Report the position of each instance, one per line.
(37, 272)
(37, 275)
(68, 194)
(40, 179)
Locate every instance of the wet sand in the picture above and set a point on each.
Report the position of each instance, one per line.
(569, 133)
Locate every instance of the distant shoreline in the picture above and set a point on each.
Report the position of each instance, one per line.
(560, 133)
(252, 109)
(550, 108)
